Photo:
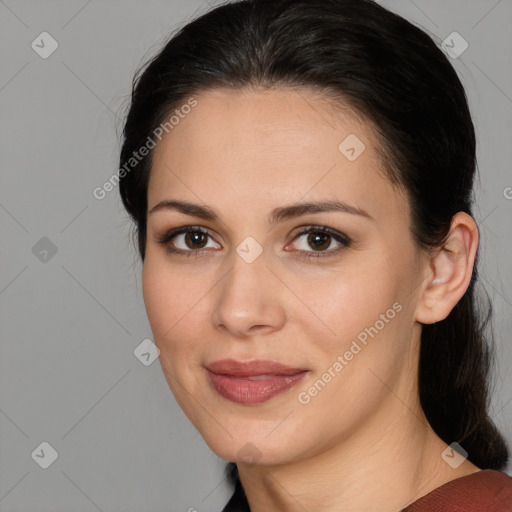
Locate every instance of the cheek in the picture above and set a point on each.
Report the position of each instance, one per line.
(157, 295)
(339, 304)
(356, 333)
(176, 309)
(171, 304)
(169, 296)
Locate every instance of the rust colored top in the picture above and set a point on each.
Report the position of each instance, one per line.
(484, 491)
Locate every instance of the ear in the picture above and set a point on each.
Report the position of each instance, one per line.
(450, 270)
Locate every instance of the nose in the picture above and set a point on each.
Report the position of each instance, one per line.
(249, 299)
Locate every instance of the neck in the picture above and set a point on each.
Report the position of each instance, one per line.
(389, 463)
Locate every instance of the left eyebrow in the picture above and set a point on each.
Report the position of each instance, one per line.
(298, 209)
(276, 215)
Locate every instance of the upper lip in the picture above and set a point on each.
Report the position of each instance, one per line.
(251, 368)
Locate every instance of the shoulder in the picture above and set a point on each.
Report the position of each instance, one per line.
(486, 490)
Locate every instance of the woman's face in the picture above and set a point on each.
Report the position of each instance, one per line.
(339, 304)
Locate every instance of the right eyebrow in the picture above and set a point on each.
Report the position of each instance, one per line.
(203, 212)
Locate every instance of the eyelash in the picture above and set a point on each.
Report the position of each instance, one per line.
(344, 240)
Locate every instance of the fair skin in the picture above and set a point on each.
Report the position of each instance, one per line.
(362, 443)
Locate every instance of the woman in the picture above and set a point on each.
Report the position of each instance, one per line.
(300, 176)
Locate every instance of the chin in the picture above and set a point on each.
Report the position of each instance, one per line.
(246, 449)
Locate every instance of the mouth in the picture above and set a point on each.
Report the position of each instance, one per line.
(252, 382)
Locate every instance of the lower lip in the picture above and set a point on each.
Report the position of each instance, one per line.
(245, 391)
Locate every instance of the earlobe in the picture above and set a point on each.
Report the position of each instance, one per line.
(450, 270)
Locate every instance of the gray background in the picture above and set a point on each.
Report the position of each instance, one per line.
(69, 325)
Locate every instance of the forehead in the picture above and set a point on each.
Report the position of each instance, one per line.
(269, 145)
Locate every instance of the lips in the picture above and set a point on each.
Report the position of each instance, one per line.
(251, 368)
(253, 381)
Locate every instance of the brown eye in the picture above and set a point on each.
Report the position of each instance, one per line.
(187, 240)
(320, 241)
(196, 239)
